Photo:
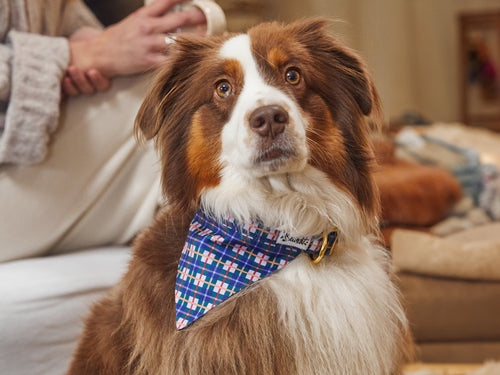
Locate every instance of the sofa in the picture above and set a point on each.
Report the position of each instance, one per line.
(453, 320)
(446, 254)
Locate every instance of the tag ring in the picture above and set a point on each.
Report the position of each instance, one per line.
(324, 246)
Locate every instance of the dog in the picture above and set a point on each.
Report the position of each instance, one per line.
(264, 132)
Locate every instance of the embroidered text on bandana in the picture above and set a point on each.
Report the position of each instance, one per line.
(221, 258)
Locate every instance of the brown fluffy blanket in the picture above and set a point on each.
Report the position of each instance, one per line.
(413, 194)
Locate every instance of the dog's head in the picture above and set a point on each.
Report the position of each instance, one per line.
(268, 110)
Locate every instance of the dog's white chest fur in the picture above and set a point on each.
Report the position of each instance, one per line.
(343, 314)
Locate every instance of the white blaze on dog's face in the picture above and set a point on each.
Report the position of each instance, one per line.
(266, 132)
(270, 124)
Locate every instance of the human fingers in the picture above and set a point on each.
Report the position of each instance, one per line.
(160, 43)
(158, 58)
(80, 81)
(159, 7)
(174, 21)
(99, 82)
(68, 87)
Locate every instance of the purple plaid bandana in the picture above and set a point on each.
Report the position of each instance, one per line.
(221, 258)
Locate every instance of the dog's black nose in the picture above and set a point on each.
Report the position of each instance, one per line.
(269, 121)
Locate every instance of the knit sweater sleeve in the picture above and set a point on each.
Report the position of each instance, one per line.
(31, 69)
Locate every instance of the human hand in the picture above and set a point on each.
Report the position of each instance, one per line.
(84, 33)
(135, 44)
(76, 82)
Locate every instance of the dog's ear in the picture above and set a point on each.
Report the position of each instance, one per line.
(165, 94)
(342, 69)
(147, 121)
(150, 118)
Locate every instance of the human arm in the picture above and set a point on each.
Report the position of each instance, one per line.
(31, 69)
(76, 82)
(135, 44)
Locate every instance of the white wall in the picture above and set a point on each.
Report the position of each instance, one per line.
(411, 46)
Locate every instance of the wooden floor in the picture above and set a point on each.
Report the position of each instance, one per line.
(444, 369)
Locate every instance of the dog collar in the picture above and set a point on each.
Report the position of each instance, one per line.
(220, 258)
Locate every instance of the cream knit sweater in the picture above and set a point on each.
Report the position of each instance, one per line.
(34, 55)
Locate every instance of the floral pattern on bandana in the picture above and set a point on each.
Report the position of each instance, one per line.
(221, 258)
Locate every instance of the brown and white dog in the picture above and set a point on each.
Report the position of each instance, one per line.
(272, 124)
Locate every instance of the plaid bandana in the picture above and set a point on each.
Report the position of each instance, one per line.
(221, 258)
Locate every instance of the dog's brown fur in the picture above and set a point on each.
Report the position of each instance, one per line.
(413, 194)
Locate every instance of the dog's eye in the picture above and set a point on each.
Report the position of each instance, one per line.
(223, 89)
(292, 76)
